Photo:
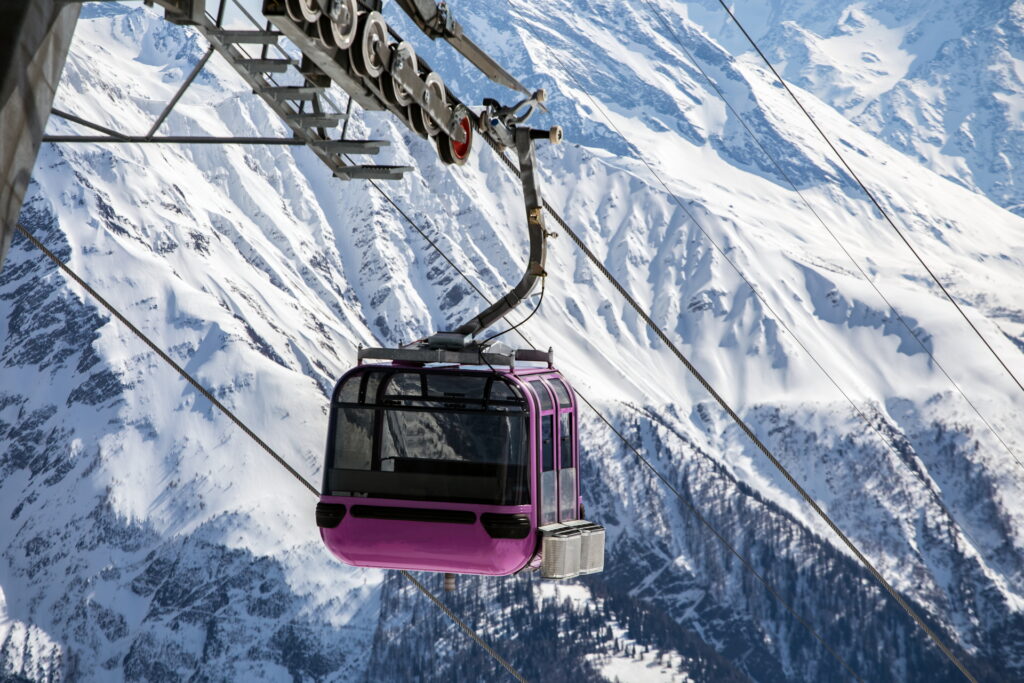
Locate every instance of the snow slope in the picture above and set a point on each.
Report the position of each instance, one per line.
(147, 538)
(939, 81)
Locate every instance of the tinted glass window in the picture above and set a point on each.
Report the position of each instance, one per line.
(404, 384)
(431, 447)
(354, 443)
(461, 387)
(547, 444)
(370, 386)
(565, 430)
(561, 393)
(350, 389)
(465, 437)
(501, 391)
(542, 394)
(567, 494)
(548, 497)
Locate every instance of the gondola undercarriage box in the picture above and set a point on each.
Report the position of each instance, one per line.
(571, 549)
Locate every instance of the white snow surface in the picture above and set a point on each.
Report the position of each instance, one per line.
(260, 274)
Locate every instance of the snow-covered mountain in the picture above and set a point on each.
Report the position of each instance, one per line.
(940, 81)
(145, 537)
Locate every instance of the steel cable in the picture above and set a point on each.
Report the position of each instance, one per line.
(746, 563)
(779, 318)
(720, 400)
(251, 434)
(747, 430)
(778, 167)
(166, 358)
(472, 634)
(868, 192)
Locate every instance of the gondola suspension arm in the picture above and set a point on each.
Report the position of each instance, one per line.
(506, 126)
(524, 142)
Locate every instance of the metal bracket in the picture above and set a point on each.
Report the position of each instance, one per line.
(524, 141)
(183, 12)
(422, 353)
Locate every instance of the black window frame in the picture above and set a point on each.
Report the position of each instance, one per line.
(382, 402)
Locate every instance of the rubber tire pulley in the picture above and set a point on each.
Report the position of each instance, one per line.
(344, 17)
(294, 9)
(419, 116)
(324, 32)
(450, 151)
(310, 10)
(395, 93)
(372, 29)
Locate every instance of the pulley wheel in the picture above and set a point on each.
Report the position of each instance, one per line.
(372, 31)
(294, 9)
(325, 32)
(393, 90)
(344, 17)
(421, 120)
(451, 151)
(310, 10)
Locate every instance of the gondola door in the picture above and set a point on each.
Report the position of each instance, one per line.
(559, 495)
(546, 452)
(568, 493)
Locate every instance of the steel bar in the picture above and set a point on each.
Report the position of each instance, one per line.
(538, 234)
(175, 139)
(181, 91)
(348, 117)
(87, 124)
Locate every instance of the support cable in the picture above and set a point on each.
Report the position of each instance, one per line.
(251, 434)
(166, 358)
(868, 192)
(782, 172)
(761, 297)
(743, 560)
(746, 562)
(472, 634)
(653, 326)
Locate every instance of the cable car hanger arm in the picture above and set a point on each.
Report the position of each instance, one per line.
(504, 125)
(524, 142)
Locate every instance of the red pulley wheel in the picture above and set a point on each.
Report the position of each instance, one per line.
(452, 151)
(461, 149)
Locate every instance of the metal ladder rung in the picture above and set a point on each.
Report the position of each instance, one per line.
(315, 120)
(247, 37)
(373, 172)
(350, 146)
(265, 66)
(290, 92)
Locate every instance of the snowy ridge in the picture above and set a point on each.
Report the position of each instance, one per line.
(146, 538)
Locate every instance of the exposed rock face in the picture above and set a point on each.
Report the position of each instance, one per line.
(145, 537)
